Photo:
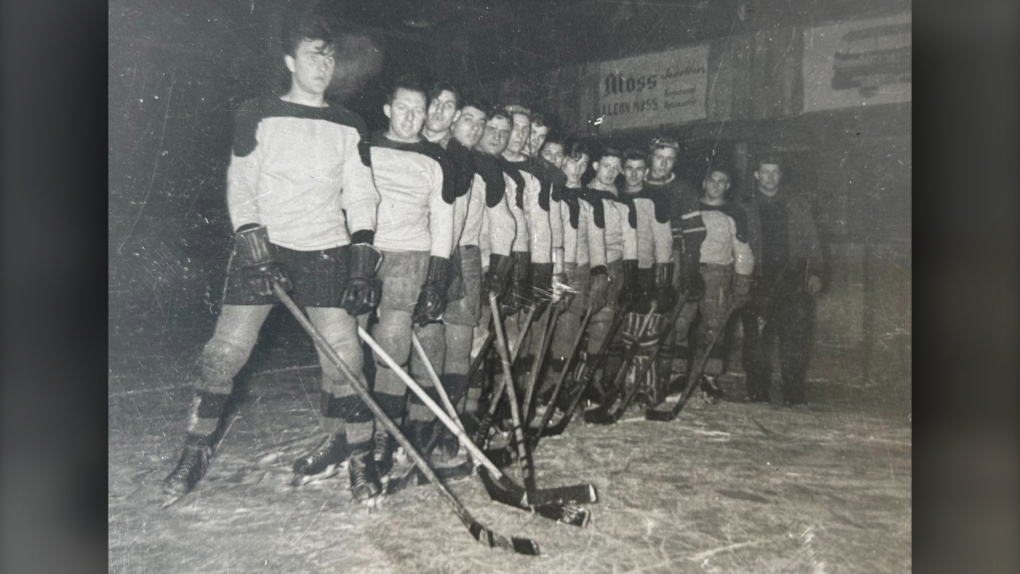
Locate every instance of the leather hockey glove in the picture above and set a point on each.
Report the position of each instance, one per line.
(519, 294)
(432, 299)
(541, 284)
(258, 265)
(742, 290)
(497, 277)
(598, 290)
(665, 293)
(363, 290)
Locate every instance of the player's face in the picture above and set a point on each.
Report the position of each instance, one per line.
(469, 126)
(553, 153)
(715, 185)
(634, 171)
(768, 176)
(606, 169)
(442, 111)
(519, 134)
(406, 113)
(311, 66)
(537, 138)
(663, 160)
(573, 167)
(496, 136)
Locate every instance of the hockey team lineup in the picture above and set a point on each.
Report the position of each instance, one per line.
(506, 319)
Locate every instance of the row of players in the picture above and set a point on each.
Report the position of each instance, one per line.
(410, 230)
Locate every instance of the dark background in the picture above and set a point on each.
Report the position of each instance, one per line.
(53, 134)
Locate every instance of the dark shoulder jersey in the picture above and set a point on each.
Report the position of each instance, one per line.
(550, 178)
(250, 113)
(595, 197)
(570, 198)
(660, 199)
(491, 172)
(464, 163)
(513, 169)
(736, 212)
(427, 149)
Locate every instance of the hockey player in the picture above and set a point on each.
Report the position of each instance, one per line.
(621, 256)
(303, 206)
(688, 232)
(537, 136)
(584, 248)
(527, 195)
(655, 267)
(725, 265)
(415, 235)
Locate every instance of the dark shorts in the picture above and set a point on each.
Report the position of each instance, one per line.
(318, 277)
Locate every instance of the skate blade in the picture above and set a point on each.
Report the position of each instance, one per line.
(303, 479)
(171, 500)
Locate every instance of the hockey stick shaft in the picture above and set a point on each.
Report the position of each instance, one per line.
(497, 392)
(477, 530)
(509, 489)
(508, 384)
(563, 375)
(543, 350)
(449, 423)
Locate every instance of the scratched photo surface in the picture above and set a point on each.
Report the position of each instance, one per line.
(726, 487)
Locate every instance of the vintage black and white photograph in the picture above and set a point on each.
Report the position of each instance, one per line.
(465, 286)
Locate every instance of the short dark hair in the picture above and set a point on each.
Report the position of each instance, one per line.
(554, 138)
(634, 154)
(609, 152)
(304, 21)
(717, 168)
(499, 112)
(769, 159)
(476, 103)
(574, 148)
(538, 119)
(406, 82)
(440, 87)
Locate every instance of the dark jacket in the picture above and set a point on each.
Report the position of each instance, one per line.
(805, 248)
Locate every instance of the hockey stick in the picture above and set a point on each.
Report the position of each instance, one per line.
(572, 493)
(558, 387)
(543, 350)
(479, 531)
(668, 415)
(640, 374)
(600, 414)
(587, 376)
(497, 393)
(500, 487)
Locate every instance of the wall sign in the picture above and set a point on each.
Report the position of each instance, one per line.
(663, 88)
(857, 63)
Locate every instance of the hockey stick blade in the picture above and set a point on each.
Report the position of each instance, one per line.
(478, 531)
(511, 495)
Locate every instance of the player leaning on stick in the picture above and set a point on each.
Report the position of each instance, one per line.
(655, 267)
(503, 237)
(725, 264)
(415, 235)
(297, 164)
(584, 247)
(459, 125)
(688, 232)
(621, 257)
